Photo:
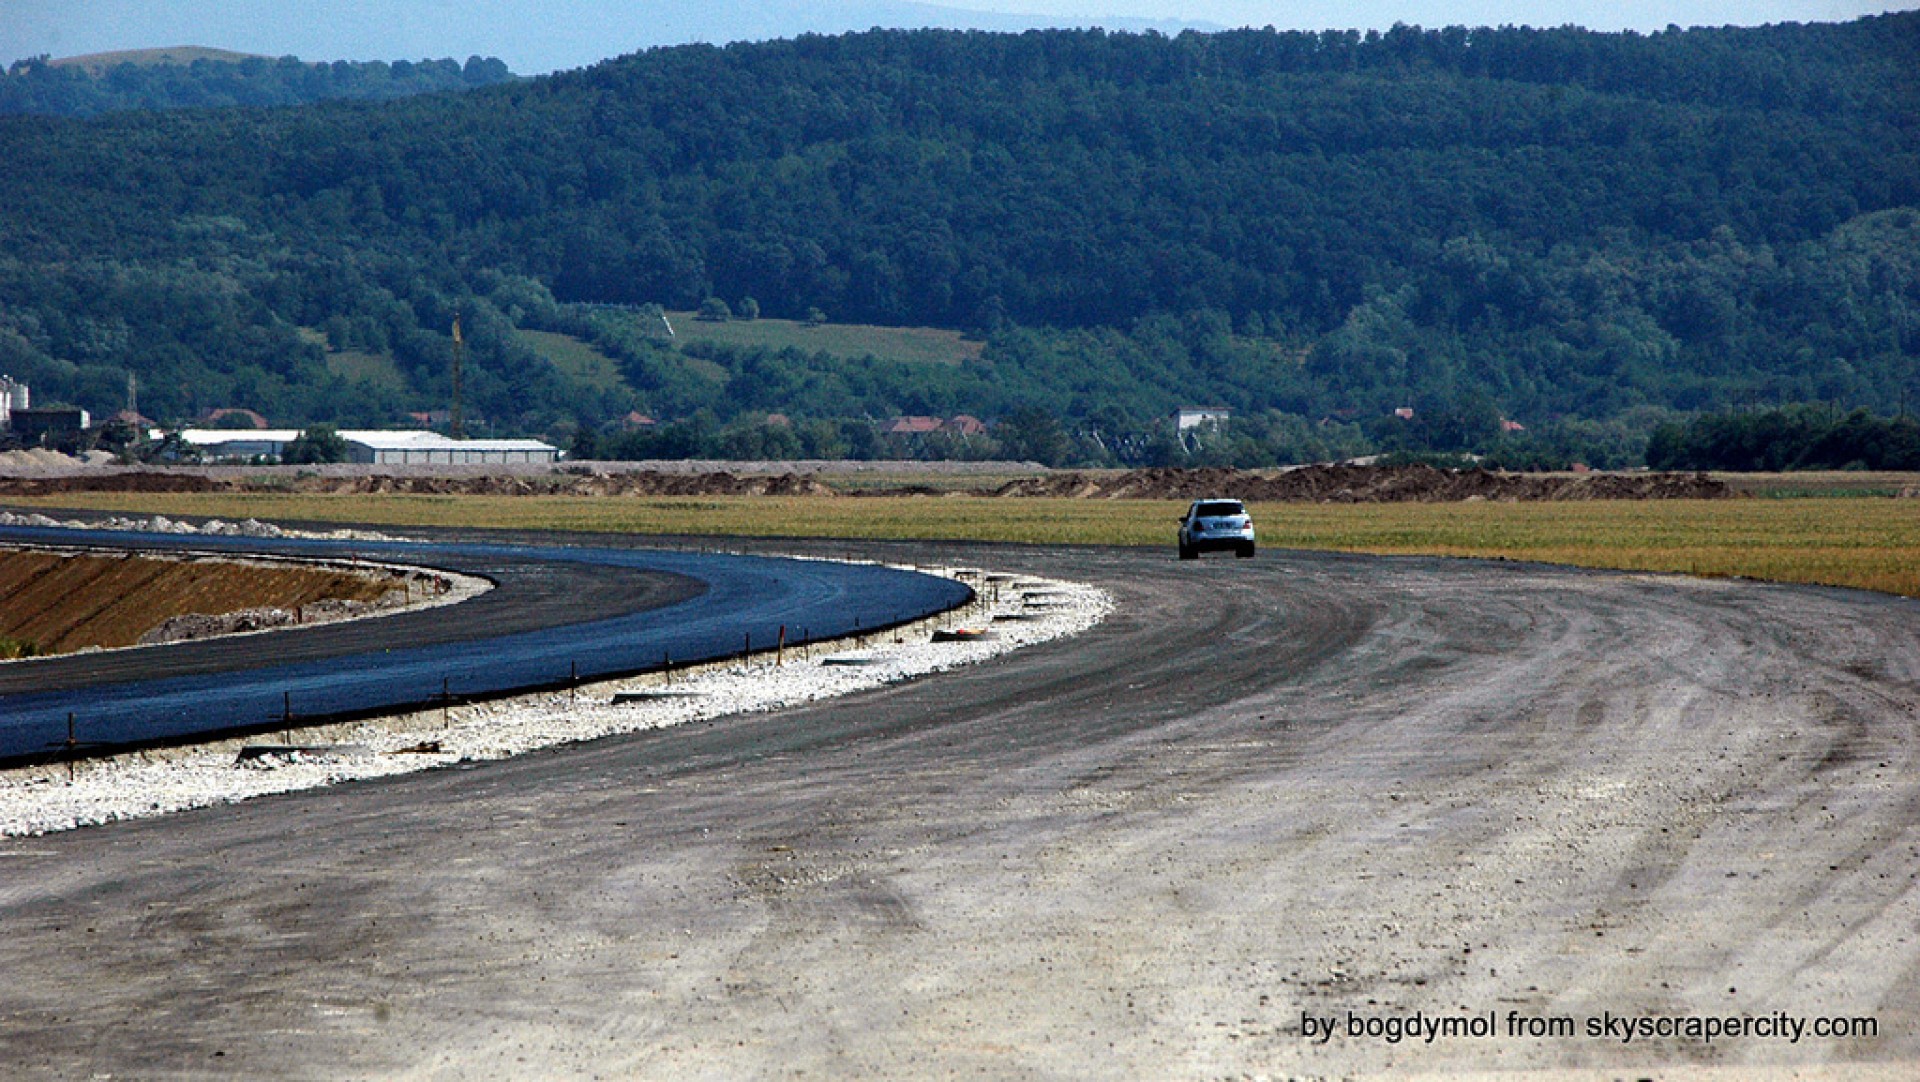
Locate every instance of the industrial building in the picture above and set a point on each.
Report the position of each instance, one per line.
(399, 448)
(13, 396)
(431, 448)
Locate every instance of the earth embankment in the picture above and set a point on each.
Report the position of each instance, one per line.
(1367, 484)
(1330, 483)
(57, 602)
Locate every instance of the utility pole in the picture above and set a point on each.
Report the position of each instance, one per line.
(456, 423)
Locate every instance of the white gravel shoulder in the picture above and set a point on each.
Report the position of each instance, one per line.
(1011, 612)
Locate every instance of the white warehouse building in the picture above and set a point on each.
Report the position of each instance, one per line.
(402, 448)
(431, 448)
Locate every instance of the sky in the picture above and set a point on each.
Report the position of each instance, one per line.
(538, 36)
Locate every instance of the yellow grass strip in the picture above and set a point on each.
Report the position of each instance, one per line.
(1866, 543)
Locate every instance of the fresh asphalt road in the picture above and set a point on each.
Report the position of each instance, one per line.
(557, 613)
(1262, 792)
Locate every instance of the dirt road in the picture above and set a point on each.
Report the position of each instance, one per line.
(1299, 787)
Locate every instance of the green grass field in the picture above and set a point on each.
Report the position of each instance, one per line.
(375, 369)
(577, 360)
(580, 362)
(910, 345)
(1870, 544)
(1806, 483)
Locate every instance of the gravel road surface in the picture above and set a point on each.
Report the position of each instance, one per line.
(1393, 795)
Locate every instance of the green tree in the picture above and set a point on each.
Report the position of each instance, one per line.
(1033, 435)
(318, 444)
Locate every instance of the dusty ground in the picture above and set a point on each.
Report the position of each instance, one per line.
(62, 601)
(1262, 792)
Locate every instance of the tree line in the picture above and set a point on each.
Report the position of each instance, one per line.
(38, 85)
(1795, 438)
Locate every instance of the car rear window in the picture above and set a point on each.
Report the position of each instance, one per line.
(1220, 509)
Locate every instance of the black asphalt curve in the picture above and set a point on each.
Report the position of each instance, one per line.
(557, 613)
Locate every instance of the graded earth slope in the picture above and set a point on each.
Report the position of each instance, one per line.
(57, 602)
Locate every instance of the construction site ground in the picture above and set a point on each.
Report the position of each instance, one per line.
(1272, 818)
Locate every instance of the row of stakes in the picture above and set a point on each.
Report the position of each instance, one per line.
(72, 747)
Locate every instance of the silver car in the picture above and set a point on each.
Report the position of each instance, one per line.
(1215, 524)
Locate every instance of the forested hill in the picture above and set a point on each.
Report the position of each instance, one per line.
(204, 78)
(1555, 222)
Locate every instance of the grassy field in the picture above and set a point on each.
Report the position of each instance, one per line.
(912, 345)
(1866, 543)
(375, 369)
(1807, 483)
(581, 362)
(577, 360)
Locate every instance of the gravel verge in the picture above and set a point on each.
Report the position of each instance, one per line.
(1011, 612)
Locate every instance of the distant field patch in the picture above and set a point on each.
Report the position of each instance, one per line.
(372, 369)
(577, 360)
(1805, 483)
(908, 345)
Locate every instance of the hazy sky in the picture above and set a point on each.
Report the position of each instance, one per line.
(535, 36)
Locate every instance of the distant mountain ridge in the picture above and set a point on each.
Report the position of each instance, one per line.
(568, 37)
(192, 77)
(186, 55)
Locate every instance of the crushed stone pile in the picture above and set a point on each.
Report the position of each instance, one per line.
(197, 625)
(40, 461)
(251, 527)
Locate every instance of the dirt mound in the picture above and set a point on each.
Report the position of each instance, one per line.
(1367, 484)
(128, 481)
(720, 483)
(1307, 484)
(638, 483)
(36, 461)
(593, 484)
